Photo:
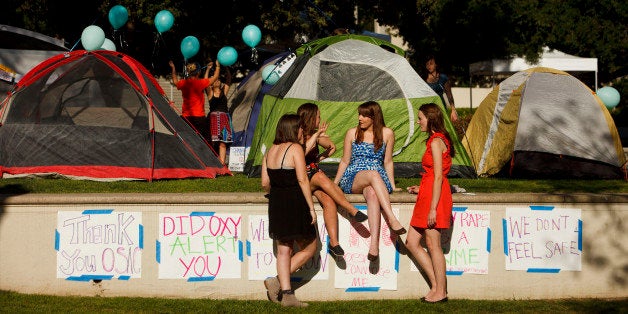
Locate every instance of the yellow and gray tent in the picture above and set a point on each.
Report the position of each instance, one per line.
(544, 123)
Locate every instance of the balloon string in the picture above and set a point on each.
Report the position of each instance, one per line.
(155, 46)
(254, 56)
(185, 68)
(72, 49)
(79, 40)
(118, 36)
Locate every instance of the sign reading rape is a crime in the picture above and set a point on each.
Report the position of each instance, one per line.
(99, 244)
(470, 242)
(199, 246)
(467, 243)
(542, 239)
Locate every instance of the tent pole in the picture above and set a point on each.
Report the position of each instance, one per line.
(470, 91)
(595, 81)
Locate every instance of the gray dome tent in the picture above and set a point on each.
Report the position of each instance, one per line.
(338, 73)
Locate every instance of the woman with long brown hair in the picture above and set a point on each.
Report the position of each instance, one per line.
(432, 210)
(329, 195)
(291, 215)
(367, 167)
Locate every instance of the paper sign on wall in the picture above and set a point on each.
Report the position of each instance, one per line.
(199, 246)
(355, 272)
(99, 244)
(542, 239)
(262, 261)
(467, 244)
(470, 242)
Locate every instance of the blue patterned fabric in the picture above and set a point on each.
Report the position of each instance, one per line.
(364, 158)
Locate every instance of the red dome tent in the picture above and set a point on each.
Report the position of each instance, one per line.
(98, 115)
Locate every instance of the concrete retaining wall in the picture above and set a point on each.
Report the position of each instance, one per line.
(28, 259)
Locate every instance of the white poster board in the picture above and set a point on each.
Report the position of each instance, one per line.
(237, 157)
(467, 244)
(99, 244)
(543, 239)
(261, 256)
(470, 242)
(199, 246)
(355, 273)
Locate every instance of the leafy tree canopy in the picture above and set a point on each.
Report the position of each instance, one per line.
(458, 32)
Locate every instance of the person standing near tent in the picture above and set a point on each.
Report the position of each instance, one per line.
(219, 118)
(329, 195)
(192, 90)
(291, 215)
(440, 83)
(367, 167)
(432, 210)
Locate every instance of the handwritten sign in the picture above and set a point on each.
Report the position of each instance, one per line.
(355, 272)
(262, 259)
(199, 246)
(237, 157)
(469, 243)
(542, 239)
(99, 244)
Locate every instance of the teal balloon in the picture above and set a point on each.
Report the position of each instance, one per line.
(108, 45)
(227, 56)
(609, 96)
(92, 38)
(118, 15)
(164, 21)
(190, 46)
(251, 35)
(269, 75)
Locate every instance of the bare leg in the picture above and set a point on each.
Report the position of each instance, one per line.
(432, 239)
(330, 214)
(321, 181)
(372, 178)
(222, 152)
(413, 244)
(375, 218)
(307, 248)
(284, 251)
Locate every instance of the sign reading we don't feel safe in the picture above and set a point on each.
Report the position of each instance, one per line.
(99, 244)
(199, 246)
(543, 239)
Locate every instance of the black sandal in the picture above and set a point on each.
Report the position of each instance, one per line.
(360, 216)
(336, 251)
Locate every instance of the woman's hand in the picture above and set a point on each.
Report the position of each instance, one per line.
(413, 189)
(322, 127)
(431, 218)
(313, 214)
(454, 114)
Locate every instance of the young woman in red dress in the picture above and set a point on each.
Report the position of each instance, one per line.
(432, 210)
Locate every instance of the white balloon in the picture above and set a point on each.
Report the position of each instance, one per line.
(92, 37)
(108, 45)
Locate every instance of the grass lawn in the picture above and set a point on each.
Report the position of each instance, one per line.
(241, 183)
(12, 302)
